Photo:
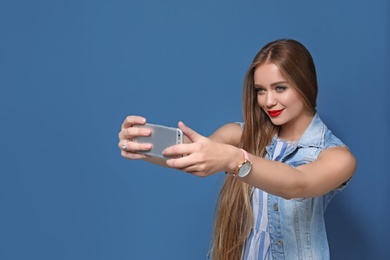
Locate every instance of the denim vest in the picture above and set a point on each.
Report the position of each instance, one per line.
(297, 226)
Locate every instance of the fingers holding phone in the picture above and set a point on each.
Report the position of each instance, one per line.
(160, 138)
(129, 148)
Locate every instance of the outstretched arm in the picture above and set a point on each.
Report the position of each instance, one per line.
(333, 167)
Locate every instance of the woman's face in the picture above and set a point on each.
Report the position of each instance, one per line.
(277, 97)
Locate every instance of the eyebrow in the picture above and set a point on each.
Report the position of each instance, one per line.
(279, 82)
(273, 84)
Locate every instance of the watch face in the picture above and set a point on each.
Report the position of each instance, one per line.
(245, 169)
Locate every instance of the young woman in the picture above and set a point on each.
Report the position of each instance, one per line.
(284, 165)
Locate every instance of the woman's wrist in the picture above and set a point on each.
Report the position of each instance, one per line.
(236, 158)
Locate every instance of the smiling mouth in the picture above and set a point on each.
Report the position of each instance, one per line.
(274, 113)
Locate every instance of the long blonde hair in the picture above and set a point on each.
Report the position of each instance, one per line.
(233, 220)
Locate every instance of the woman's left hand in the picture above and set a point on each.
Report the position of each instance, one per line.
(202, 157)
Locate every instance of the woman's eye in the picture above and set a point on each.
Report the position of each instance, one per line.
(260, 91)
(280, 88)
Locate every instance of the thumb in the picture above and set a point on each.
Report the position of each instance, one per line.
(191, 134)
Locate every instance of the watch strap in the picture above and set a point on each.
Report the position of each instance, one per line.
(246, 155)
(247, 160)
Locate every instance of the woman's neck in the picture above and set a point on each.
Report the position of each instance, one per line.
(293, 130)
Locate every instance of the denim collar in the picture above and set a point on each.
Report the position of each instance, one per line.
(312, 137)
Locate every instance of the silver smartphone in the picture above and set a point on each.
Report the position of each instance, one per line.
(160, 138)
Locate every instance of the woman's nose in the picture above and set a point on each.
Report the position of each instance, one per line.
(270, 100)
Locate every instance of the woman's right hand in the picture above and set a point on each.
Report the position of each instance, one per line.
(128, 132)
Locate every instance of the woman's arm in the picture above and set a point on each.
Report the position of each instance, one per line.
(228, 134)
(333, 167)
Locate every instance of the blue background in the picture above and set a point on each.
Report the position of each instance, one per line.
(71, 71)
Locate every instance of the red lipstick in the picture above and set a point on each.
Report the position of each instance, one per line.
(274, 113)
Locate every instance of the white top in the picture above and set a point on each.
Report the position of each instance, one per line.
(258, 243)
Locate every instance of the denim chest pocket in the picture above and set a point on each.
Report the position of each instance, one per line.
(301, 156)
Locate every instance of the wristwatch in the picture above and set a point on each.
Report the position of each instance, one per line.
(244, 168)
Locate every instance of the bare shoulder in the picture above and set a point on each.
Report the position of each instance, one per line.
(228, 134)
(333, 167)
(339, 160)
(340, 155)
